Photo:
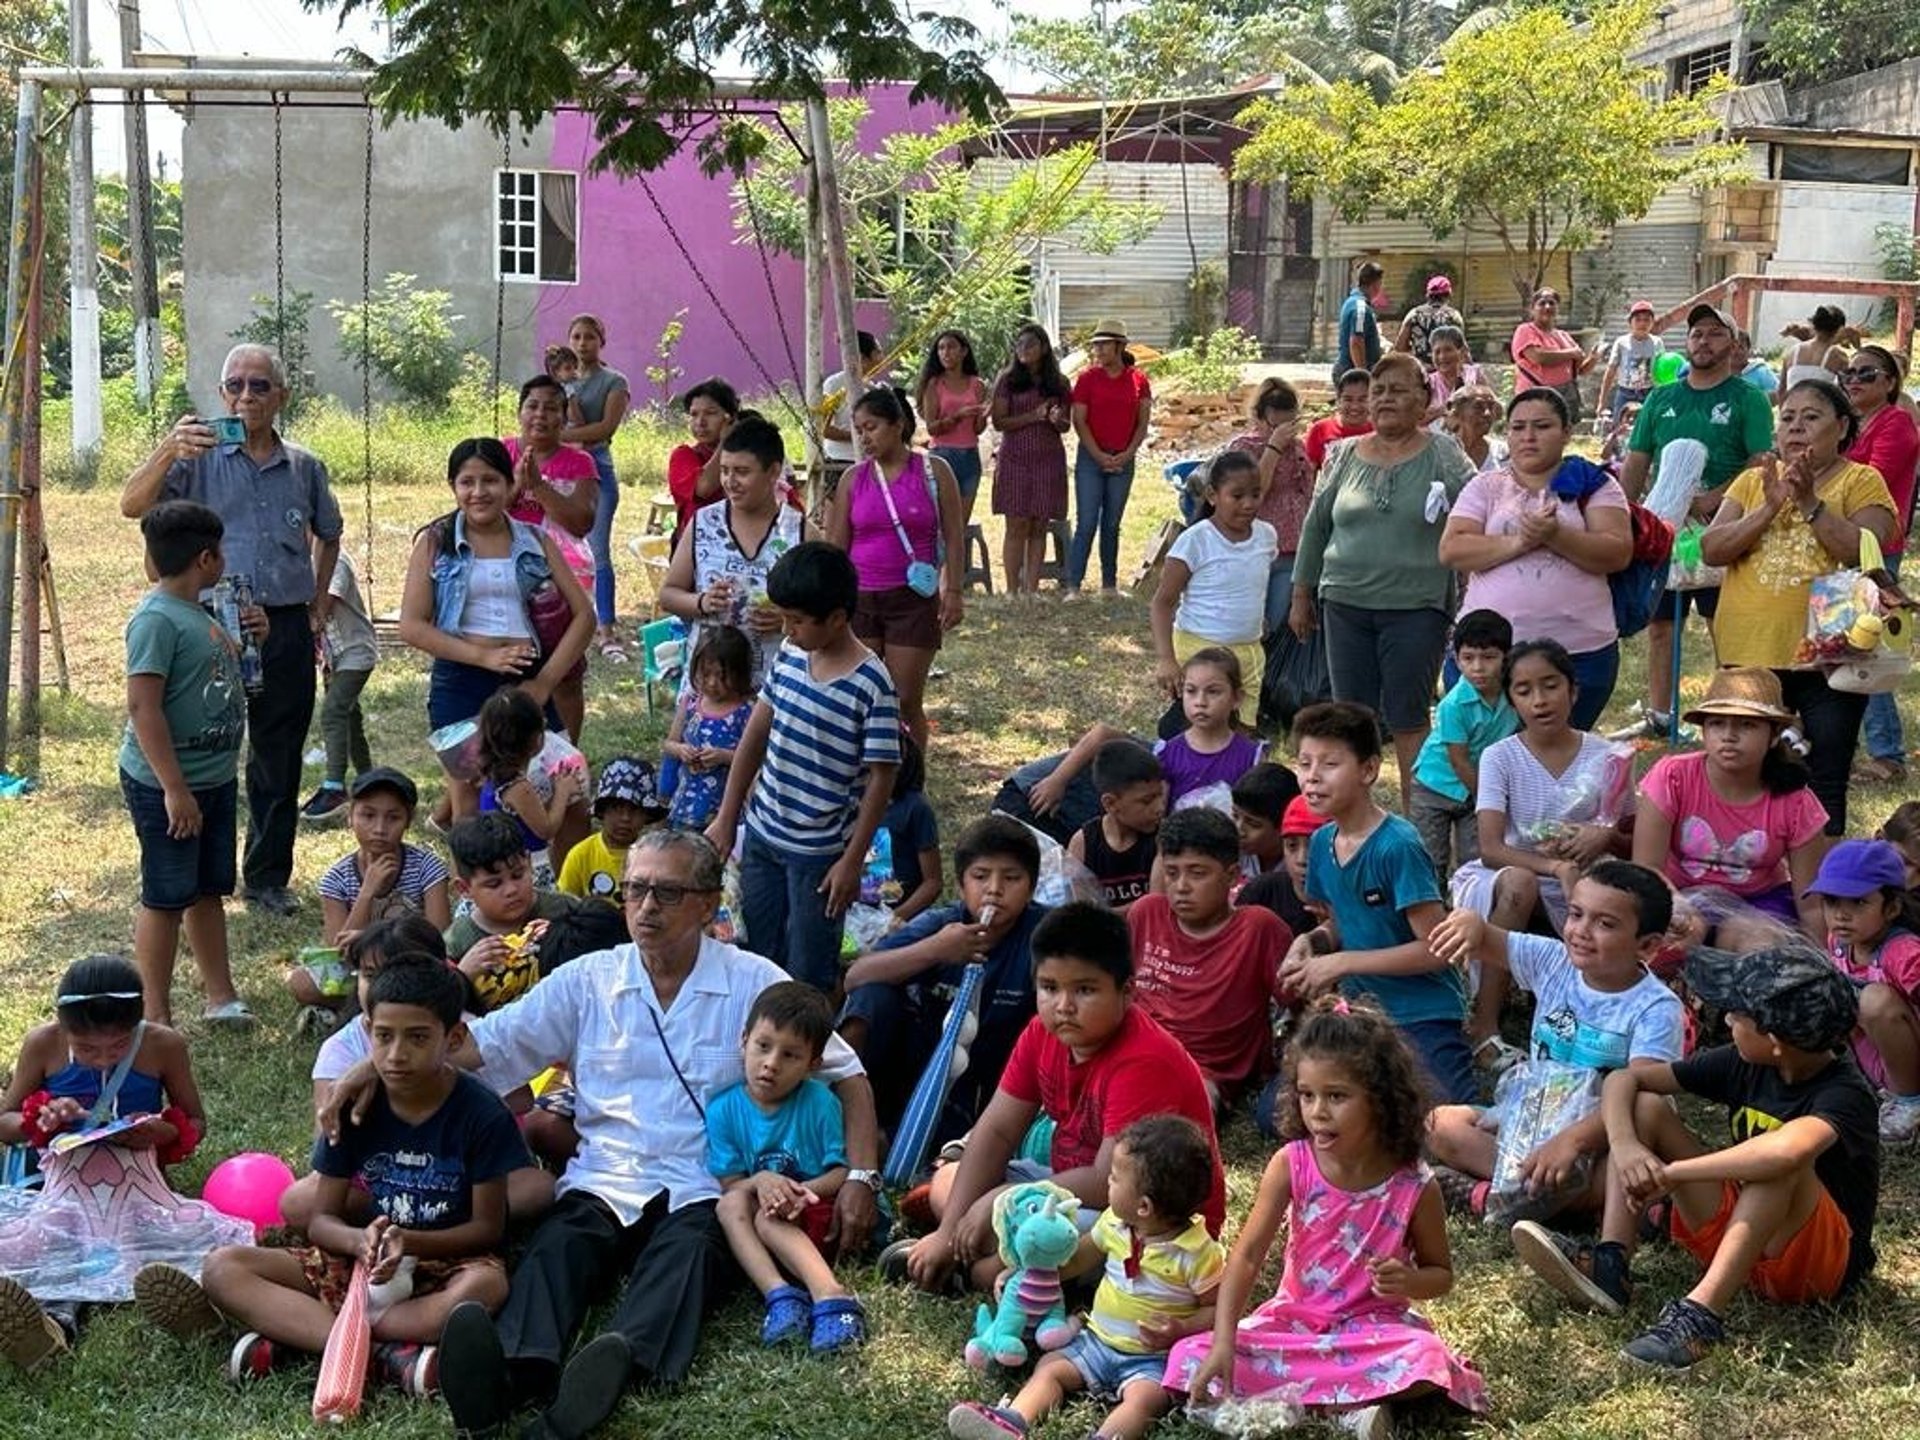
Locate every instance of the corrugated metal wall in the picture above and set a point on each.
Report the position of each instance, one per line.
(1144, 285)
(1645, 261)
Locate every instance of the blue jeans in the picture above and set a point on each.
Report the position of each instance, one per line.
(1885, 739)
(600, 538)
(964, 461)
(786, 914)
(1099, 500)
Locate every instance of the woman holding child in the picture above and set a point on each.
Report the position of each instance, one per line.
(1369, 564)
(718, 574)
(556, 488)
(1797, 515)
(1537, 538)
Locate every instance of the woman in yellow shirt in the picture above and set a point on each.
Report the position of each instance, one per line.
(1796, 515)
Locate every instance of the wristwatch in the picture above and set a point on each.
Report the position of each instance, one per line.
(868, 1178)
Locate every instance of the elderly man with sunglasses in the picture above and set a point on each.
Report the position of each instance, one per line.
(283, 530)
(650, 1033)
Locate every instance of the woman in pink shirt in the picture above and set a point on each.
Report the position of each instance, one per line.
(1112, 403)
(897, 514)
(953, 403)
(1889, 441)
(1546, 355)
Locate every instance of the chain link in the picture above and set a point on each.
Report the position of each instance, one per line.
(366, 335)
(499, 277)
(279, 236)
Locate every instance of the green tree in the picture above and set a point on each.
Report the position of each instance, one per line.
(1811, 41)
(644, 69)
(406, 336)
(926, 233)
(1543, 165)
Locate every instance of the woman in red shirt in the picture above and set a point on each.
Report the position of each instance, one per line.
(1112, 403)
(1350, 417)
(693, 471)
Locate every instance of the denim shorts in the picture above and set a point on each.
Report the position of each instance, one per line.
(1107, 1371)
(176, 873)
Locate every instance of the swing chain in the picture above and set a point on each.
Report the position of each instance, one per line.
(279, 235)
(156, 359)
(366, 321)
(500, 283)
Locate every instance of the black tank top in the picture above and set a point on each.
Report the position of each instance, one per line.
(1123, 874)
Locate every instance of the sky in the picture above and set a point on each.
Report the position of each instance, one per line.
(284, 29)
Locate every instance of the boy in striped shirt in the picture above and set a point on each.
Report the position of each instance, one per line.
(818, 759)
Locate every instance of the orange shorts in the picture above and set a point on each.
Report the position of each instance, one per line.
(1810, 1268)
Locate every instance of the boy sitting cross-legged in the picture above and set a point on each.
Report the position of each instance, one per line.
(775, 1142)
(1595, 1005)
(1787, 1209)
(1206, 971)
(1094, 1062)
(435, 1149)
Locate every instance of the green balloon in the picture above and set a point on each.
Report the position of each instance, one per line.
(1666, 366)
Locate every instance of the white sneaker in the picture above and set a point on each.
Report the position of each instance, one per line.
(1900, 1120)
(1370, 1422)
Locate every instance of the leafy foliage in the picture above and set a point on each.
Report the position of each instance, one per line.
(1544, 165)
(288, 328)
(1811, 42)
(927, 235)
(643, 70)
(406, 336)
(1211, 364)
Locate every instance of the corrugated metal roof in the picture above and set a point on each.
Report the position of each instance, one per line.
(1165, 253)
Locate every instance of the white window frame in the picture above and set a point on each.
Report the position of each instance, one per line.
(517, 236)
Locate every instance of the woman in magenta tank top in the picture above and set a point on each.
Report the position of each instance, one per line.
(898, 515)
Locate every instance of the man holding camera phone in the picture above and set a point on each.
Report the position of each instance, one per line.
(283, 530)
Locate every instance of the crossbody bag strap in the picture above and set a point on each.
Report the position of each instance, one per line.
(110, 1092)
(893, 512)
(678, 1073)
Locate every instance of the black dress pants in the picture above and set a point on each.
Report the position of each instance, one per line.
(277, 721)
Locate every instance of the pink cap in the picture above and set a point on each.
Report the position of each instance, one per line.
(1640, 307)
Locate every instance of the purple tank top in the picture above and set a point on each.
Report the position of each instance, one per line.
(876, 551)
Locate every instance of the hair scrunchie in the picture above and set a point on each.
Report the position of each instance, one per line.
(186, 1140)
(30, 1127)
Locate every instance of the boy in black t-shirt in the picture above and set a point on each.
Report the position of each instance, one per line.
(434, 1150)
(1788, 1208)
(1119, 848)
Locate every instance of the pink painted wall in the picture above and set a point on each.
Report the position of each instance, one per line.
(633, 276)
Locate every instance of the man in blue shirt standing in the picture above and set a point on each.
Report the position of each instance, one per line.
(1359, 345)
(283, 529)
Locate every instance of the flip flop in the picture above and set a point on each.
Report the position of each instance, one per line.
(789, 1313)
(837, 1323)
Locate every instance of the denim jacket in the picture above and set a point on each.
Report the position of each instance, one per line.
(453, 567)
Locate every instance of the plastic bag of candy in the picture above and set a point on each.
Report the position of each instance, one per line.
(1535, 1101)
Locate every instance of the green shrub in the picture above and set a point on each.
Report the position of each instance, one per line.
(405, 337)
(1211, 365)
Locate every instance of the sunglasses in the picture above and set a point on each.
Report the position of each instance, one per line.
(247, 385)
(634, 892)
(1862, 376)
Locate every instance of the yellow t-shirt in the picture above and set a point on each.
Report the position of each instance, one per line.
(1763, 602)
(1172, 1277)
(593, 869)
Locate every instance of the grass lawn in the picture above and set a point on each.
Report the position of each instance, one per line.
(1025, 679)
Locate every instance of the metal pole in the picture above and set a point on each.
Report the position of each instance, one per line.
(33, 528)
(20, 266)
(839, 264)
(83, 320)
(146, 289)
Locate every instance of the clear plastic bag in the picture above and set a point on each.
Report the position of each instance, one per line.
(1688, 570)
(1594, 794)
(1535, 1101)
(1062, 878)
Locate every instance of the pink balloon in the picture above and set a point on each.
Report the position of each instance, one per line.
(248, 1187)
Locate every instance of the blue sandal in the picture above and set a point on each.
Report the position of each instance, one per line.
(837, 1323)
(789, 1312)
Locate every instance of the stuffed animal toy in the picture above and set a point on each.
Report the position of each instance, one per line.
(1037, 1233)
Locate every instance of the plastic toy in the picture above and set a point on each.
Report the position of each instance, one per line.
(1037, 1233)
(248, 1187)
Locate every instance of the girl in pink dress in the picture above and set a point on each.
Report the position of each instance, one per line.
(1366, 1237)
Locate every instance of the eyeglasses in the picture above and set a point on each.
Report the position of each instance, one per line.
(247, 385)
(1862, 376)
(666, 896)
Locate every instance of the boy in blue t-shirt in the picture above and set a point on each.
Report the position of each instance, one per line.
(775, 1142)
(898, 992)
(186, 716)
(1469, 718)
(1370, 870)
(818, 759)
(434, 1152)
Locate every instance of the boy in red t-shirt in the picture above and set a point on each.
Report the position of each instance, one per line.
(1203, 969)
(1095, 1063)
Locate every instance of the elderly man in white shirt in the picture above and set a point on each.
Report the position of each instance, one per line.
(650, 1031)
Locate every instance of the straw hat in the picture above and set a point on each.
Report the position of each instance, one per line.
(1748, 690)
(1108, 330)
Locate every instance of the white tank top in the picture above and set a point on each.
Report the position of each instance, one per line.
(494, 608)
(1800, 370)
